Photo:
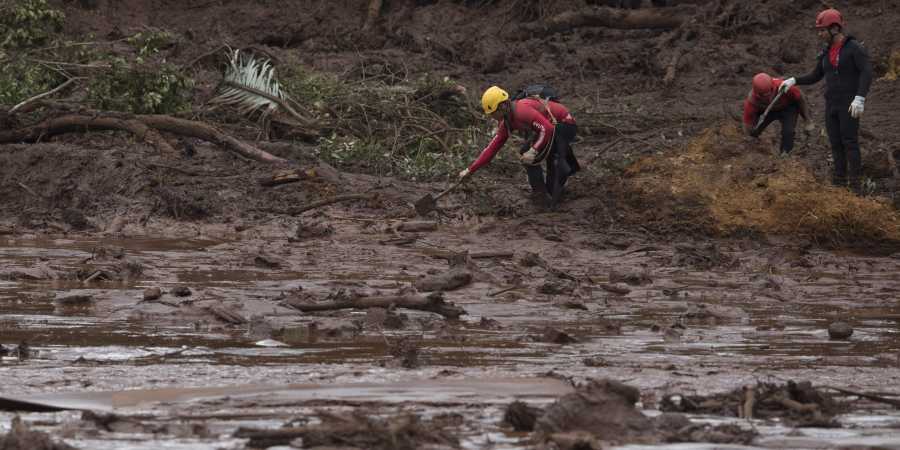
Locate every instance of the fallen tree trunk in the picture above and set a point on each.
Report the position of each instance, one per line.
(666, 18)
(145, 127)
(432, 303)
(206, 132)
(72, 123)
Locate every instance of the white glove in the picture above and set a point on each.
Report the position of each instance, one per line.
(464, 173)
(787, 84)
(857, 107)
(528, 157)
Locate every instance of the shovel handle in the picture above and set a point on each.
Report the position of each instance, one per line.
(768, 108)
(447, 191)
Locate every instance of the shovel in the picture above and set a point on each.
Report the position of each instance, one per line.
(428, 203)
(766, 112)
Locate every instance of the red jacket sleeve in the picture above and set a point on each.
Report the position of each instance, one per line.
(750, 113)
(492, 148)
(793, 94)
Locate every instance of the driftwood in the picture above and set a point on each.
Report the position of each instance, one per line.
(417, 225)
(432, 303)
(80, 123)
(283, 177)
(145, 127)
(668, 18)
(226, 315)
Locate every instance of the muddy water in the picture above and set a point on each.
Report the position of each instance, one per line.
(760, 315)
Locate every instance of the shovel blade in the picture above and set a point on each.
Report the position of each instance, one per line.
(425, 205)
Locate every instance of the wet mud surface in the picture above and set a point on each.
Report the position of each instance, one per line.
(655, 315)
(692, 292)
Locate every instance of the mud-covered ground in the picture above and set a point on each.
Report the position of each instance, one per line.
(685, 260)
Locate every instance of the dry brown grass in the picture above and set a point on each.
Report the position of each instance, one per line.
(745, 188)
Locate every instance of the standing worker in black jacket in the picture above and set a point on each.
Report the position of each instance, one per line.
(845, 65)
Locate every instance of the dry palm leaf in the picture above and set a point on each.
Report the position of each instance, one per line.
(251, 87)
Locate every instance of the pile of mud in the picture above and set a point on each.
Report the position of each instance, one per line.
(742, 188)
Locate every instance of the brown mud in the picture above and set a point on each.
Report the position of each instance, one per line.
(690, 269)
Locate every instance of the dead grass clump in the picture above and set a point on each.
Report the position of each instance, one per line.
(746, 189)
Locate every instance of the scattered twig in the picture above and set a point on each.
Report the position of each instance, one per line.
(45, 94)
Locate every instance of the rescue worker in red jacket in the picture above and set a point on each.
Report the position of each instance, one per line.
(553, 129)
(789, 105)
(845, 65)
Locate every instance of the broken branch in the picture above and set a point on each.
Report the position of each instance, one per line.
(432, 303)
(45, 94)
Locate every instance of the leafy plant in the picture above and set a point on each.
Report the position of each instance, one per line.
(150, 42)
(141, 89)
(20, 80)
(26, 23)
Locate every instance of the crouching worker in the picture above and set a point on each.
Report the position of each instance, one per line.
(551, 129)
(790, 104)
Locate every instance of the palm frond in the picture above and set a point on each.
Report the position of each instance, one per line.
(250, 86)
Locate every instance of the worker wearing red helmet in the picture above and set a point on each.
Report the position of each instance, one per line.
(764, 99)
(845, 65)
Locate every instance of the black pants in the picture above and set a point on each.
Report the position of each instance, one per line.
(788, 119)
(561, 164)
(843, 134)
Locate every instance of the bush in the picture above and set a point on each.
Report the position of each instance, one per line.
(20, 80)
(141, 88)
(26, 23)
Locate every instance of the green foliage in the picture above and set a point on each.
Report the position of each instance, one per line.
(141, 88)
(149, 43)
(26, 23)
(418, 130)
(308, 87)
(20, 80)
(421, 162)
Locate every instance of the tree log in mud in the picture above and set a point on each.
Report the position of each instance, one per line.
(145, 127)
(432, 303)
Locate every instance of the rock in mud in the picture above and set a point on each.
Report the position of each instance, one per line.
(151, 294)
(840, 330)
(181, 291)
(700, 256)
(632, 277)
(715, 434)
(447, 281)
(556, 288)
(311, 230)
(574, 440)
(75, 219)
(554, 336)
(268, 261)
(703, 311)
(20, 437)
(604, 408)
(521, 416)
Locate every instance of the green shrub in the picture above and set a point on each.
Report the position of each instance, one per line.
(141, 89)
(25, 23)
(148, 43)
(20, 80)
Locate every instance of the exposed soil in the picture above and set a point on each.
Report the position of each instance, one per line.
(689, 269)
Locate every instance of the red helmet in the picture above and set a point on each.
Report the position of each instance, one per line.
(762, 84)
(828, 18)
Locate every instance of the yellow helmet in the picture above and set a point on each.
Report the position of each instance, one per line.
(492, 99)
